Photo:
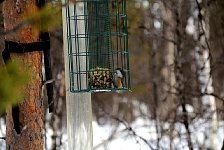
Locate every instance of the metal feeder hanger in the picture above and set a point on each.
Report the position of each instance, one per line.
(98, 46)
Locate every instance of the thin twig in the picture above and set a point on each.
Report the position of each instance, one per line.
(130, 129)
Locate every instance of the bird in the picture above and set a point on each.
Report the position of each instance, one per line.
(118, 78)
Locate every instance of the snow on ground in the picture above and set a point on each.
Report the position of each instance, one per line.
(144, 128)
(2, 134)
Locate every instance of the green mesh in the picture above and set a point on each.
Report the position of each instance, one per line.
(97, 44)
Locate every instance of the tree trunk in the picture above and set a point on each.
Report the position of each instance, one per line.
(30, 109)
(168, 73)
(203, 59)
(1, 36)
(169, 46)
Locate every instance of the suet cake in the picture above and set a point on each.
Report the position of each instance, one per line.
(100, 78)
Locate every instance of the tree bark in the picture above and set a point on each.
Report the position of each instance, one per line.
(205, 77)
(30, 109)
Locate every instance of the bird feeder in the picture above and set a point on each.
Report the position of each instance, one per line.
(97, 44)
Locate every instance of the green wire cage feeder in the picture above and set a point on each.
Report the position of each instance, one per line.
(97, 40)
